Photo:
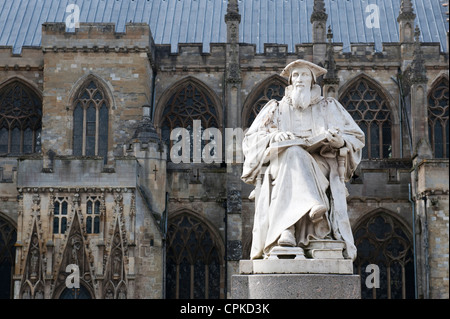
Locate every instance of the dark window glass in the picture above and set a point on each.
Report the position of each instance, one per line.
(63, 225)
(96, 225)
(103, 131)
(382, 241)
(78, 130)
(4, 140)
(15, 141)
(193, 262)
(89, 225)
(8, 238)
(90, 130)
(91, 121)
(438, 119)
(20, 119)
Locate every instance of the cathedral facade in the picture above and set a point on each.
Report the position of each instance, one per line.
(88, 175)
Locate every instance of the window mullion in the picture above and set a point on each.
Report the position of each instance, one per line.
(96, 129)
(83, 148)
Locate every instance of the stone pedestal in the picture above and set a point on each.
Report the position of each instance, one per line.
(287, 274)
(295, 286)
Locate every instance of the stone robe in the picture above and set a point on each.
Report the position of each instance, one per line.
(295, 180)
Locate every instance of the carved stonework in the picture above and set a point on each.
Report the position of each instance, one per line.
(75, 252)
(33, 275)
(234, 201)
(115, 279)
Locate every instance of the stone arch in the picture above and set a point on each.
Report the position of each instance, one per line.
(385, 119)
(20, 129)
(108, 88)
(392, 104)
(31, 85)
(194, 250)
(263, 92)
(106, 106)
(75, 250)
(177, 87)
(385, 240)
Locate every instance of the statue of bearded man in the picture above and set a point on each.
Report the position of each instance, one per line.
(303, 194)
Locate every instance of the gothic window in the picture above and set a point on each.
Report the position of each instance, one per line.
(93, 216)
(438, 119)
(7, 254)
(90, 121)
(193, 260)
(20, 120)
(382, 241)
(188, 103)
(60, 215)
(273, 90)
(370, 111)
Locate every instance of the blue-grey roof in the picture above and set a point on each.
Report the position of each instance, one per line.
(202, 21)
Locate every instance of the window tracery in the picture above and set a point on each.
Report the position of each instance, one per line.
(370, 110)
(438, 119)
(193, 260)
(90, 121)
(273, 90)
(382, 241)
(20, 120)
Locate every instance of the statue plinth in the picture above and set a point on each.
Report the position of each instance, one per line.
(321, 272)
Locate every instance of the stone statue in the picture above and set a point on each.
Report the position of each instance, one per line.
(306, 146)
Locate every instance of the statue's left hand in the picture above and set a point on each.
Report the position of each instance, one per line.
(335, 140)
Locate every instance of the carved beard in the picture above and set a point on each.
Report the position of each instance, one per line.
(301, 97)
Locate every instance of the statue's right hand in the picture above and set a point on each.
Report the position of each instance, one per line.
(282, 136)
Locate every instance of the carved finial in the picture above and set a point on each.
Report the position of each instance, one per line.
(233, 11)
(330, 34)
(406, 11)
(418, 70)
(319, 12)
(233, 6)
(406, 6)
(417, 35)
(330, 63)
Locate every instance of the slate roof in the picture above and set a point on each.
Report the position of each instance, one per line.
(202, 21)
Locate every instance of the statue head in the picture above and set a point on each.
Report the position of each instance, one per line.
(302, 82)
(314, 69)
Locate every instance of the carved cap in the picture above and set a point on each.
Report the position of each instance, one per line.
(315, 69)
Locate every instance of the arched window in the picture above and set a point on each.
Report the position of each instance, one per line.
(189, 102)
(370, 110)
(93, 216)
(60, 215)
(383, 242)
(272, 88)
(438, 119)
(8, 236)
(20, 120)
(193, 260)
(90, 121)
